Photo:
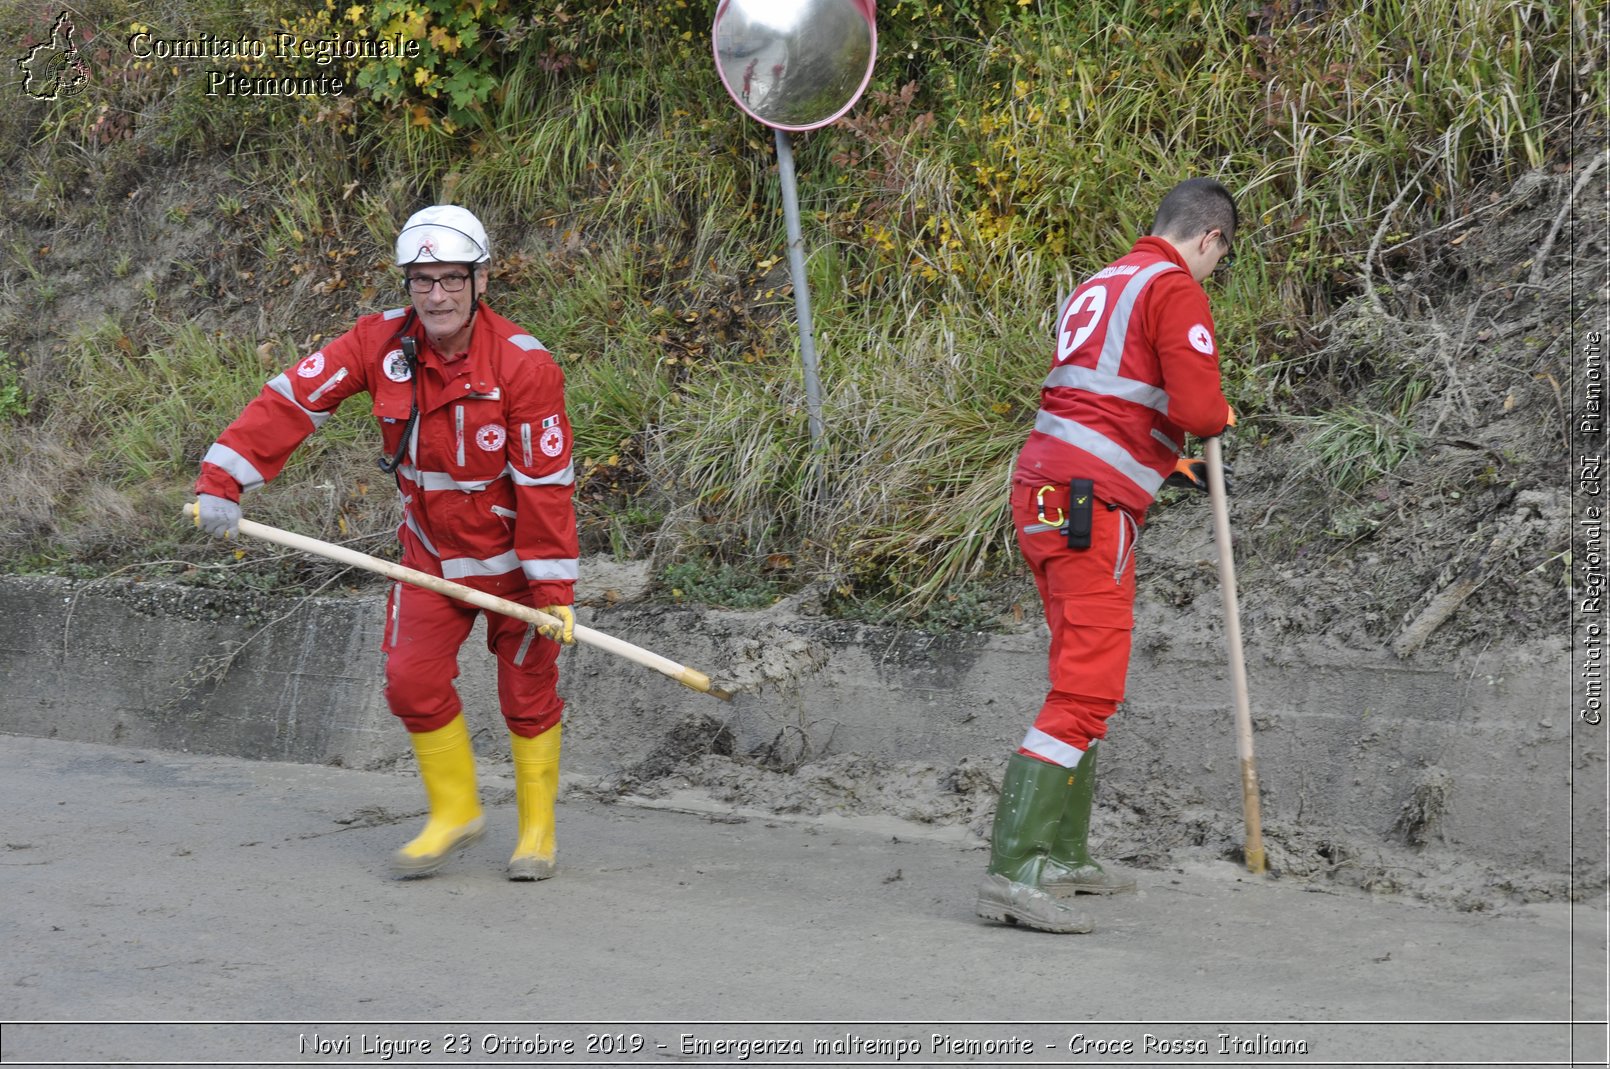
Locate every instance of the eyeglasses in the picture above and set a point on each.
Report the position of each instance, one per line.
(1226, 261)
(423, 284)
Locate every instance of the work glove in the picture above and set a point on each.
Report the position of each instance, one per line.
(218, 516)
(564, 631)
(1191, 474)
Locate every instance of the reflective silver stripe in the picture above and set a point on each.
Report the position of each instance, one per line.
(549, 569)
(526, 342)
(329, 384)
(525, 644)
(1093, 381)
(465, 567)
(458, 431)
(224, 457)
(436, 480)
(1100, 446)
(1166, 440)
(396, 611)
(281, 384)
(439, 480)
(508, 514)
(393, 313)
(408, 521)
(1112, 346)
(567, 477)
(1040, 744)
(525, 443)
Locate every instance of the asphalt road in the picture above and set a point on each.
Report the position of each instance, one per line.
(170, 908)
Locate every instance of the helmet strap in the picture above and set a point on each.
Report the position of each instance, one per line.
(475, 300)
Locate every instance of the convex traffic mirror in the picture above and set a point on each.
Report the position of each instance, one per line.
(795, 64)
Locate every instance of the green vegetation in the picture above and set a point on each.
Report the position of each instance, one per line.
(1004, 151)
(13, 404)
(719, 584)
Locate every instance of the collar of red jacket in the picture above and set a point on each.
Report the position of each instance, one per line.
(473, 372)
(1159, 247)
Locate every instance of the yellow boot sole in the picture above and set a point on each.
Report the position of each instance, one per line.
(407, 866)
(532, 868)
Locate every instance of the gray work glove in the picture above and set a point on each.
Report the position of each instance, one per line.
(218, 516)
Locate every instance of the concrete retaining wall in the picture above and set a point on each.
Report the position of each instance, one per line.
(1344, 737)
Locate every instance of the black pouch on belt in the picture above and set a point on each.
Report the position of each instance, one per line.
(1081, 510)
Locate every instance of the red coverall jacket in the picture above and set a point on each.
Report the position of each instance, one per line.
(487, 480)
(1136, 367)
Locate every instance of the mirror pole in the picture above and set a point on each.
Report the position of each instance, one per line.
(802, 294)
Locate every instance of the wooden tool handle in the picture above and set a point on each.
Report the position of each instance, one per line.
(688, 677)
(1238, 667)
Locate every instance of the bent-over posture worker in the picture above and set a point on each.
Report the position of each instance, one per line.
(473, 426)
(1136, 368)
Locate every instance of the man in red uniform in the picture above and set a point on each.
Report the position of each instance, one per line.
(1136, 368)
(473, 426)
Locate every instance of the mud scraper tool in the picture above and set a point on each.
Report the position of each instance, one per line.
(691, 678)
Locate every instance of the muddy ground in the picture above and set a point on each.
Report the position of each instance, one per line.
(158, 887)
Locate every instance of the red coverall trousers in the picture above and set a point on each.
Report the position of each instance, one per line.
(424, 631)
(1089, 599)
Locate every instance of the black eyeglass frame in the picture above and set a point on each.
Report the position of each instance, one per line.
(1227, 261)
(449, 283)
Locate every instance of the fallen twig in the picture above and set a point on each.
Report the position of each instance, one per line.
(1536, 277)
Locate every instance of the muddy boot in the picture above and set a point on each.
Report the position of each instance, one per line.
(1033, 797)
(447, 766)
(536, 785)
(1070, 869)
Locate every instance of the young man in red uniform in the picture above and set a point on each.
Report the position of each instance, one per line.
(1136, 368)
(473, 426)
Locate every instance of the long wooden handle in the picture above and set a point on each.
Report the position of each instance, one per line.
(688, 677)
(1238, 666)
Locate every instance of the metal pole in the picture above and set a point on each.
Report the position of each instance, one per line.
(802, 293)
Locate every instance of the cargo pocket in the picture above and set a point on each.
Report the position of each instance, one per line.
(1090, 648)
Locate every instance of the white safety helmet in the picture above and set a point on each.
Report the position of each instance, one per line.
(443, 233)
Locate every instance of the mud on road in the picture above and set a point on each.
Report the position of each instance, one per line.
(150, 886)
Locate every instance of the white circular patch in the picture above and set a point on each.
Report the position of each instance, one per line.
(1200, 339)
(552, 442)
(311, 366)
(396, 366)
(490, 437)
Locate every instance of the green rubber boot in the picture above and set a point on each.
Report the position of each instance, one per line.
(1070, 868)
(1027, 818)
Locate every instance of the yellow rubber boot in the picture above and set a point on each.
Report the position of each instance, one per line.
(447, 767)
(536, 785)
